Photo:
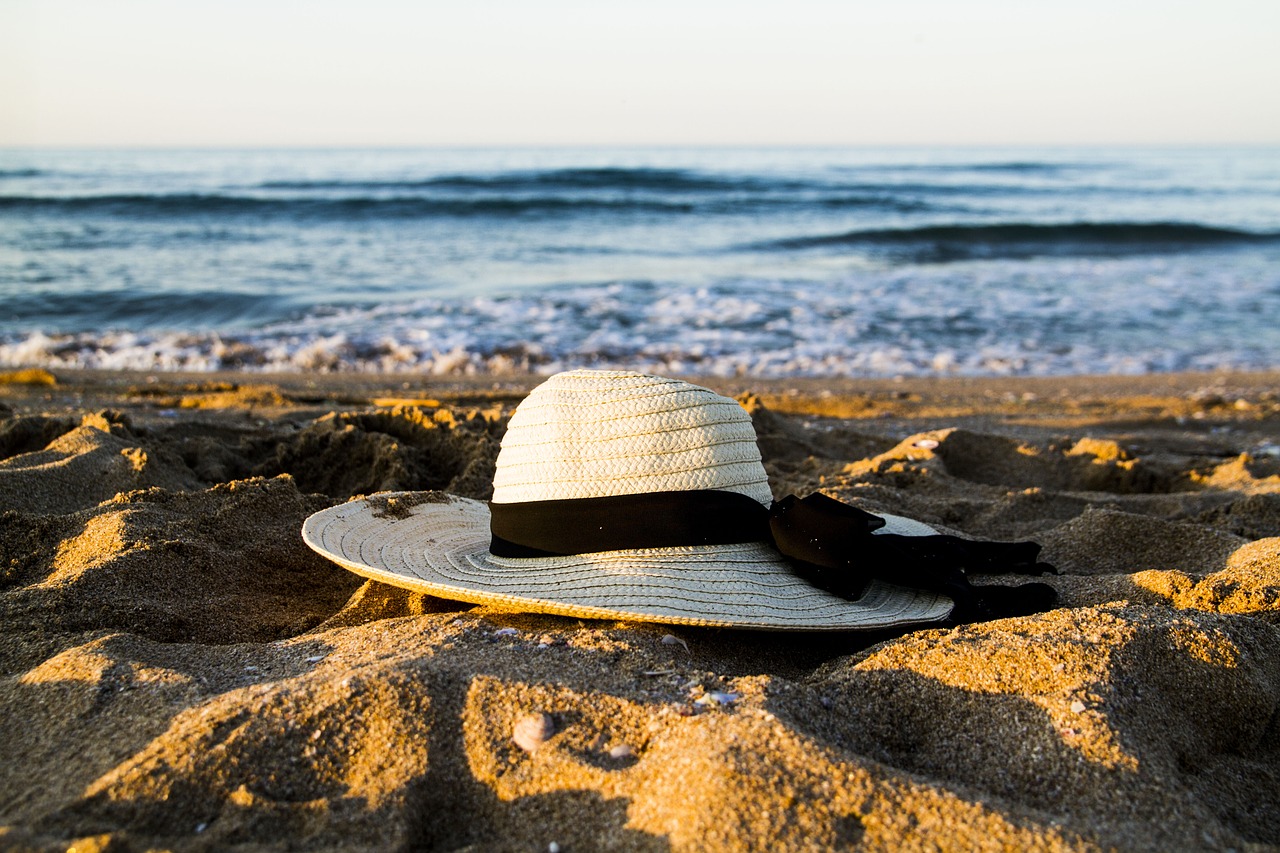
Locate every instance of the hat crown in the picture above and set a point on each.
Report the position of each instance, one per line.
(594, 433)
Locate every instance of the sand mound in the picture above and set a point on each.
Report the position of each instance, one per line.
(1070, 465)
(28, 434)
(1250, 583)
(1253, 516)
(1115, 713)
(1104, 541)
(403, 449)
(86, 465)
(224, 565)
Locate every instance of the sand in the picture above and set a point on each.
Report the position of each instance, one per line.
(179, 671)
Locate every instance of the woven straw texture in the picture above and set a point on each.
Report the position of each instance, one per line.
(591, 433)
(439, 544)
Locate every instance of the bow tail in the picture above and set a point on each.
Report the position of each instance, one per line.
(834, 546)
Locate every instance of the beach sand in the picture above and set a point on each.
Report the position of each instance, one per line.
(179, 671)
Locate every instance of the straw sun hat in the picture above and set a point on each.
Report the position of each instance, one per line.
(620, 495)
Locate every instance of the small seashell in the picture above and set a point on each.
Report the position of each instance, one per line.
(716, 698)
(1077, 707)
(621, 751)
(316, 658)
(673, 640)
(533, 731)
(926, 443)
(505, 632)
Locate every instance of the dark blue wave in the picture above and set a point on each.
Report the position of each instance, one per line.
(78, 311)
(676, 181)
(881, 202)
(657, 180)
(1018, 167)
(941, 243)
(20, 173)
(547, 201)
(1013, 167)
(392, 207)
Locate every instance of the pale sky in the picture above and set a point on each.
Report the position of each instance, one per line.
(603, 72)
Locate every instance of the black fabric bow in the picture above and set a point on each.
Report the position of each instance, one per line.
(829, 544)
(834, 546)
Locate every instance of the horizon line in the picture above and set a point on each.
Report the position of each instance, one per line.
(336, 146)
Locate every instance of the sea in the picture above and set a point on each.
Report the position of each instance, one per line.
(736, 261)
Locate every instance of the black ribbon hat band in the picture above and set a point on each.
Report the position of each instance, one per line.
(829, 544)
(558, 528)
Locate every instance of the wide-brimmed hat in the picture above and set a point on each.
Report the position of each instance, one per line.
(591, 455)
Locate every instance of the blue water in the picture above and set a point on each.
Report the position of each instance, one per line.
(778, 262)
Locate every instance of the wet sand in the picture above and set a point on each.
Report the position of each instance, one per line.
(179, 671)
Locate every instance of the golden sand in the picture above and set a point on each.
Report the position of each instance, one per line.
(179, 671)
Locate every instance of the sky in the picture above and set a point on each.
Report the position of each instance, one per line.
(662, 72)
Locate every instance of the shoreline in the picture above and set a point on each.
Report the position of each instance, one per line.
(946, 393)
(182, 672)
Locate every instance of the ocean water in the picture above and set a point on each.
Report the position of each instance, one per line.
(815, 262)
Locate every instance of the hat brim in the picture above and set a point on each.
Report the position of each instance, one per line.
(438, 544)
